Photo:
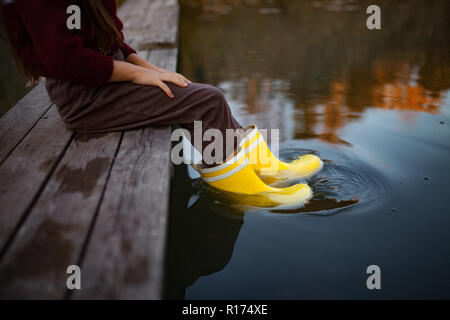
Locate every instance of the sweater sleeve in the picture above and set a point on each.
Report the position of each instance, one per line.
(126, 49)
(59, 49)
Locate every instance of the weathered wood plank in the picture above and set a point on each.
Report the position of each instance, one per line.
(155, 25)
(24, 172)
(133, 224)
(18, 121)
(132, 13)
(164, 58)
(132, 221)
(52, 237)
(60, 209)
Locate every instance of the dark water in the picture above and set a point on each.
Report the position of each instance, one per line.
(13, 85)
(374, 104)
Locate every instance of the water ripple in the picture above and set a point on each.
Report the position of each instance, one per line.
(345, 184)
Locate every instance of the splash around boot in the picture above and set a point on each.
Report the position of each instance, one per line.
(246, 172)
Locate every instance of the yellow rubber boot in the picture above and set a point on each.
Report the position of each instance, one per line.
(269, 167)
(238, 178)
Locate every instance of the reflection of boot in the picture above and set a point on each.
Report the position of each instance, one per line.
(238, 178)
(268, 167)
(201, 242)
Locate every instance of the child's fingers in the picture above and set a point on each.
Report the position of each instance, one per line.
(165, 88)
(183, 78)
(167, 76)
(186, 79)
(174, 80)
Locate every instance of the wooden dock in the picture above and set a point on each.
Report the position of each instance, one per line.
(99, 201)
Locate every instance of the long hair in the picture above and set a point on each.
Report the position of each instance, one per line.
(107, 35)
(25, 67)
(106, 32)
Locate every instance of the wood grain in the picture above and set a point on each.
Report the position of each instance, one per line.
(66, 198)
(52, 237)
(164, 58)
(132, 220)
(18, 121)
(24, 172)
(125, 257)
(150, 24)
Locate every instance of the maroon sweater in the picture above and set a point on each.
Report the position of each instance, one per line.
(37, 28)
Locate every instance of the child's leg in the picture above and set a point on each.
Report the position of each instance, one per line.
(121, 106)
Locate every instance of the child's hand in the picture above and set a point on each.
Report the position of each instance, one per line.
(138, 61)
(174, 74)
(148, 77)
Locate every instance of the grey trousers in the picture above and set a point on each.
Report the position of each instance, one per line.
(124, 105)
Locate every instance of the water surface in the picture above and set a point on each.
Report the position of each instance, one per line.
(374, 104)
(13, 85)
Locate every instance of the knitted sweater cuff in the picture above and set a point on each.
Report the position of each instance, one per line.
(127, 50)
(98, 70)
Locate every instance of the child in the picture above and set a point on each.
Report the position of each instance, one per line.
(100, 84)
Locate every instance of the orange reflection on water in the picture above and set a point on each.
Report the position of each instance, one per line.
(392, 94)
(311, 68)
